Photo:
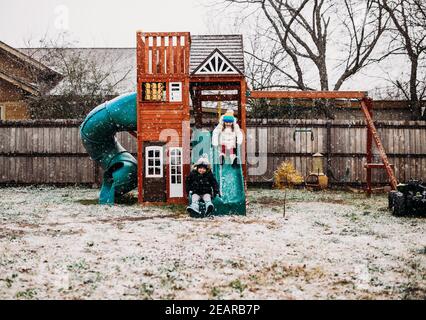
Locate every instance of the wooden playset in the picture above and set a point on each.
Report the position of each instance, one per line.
(172, 67)
(174, 72)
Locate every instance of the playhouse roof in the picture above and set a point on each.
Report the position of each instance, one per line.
(231, 46)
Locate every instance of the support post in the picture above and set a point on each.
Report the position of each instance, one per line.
(242, 115)
(328, 147)
(198, 110)
(369, 106)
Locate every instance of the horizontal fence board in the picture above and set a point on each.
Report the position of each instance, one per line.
(51, 152)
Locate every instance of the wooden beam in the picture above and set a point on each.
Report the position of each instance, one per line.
(219, 87)
(198, 110)
(164, 34)
(232, 78)
(307, 95)
(243, 122)
(219, 97)
(376, 166)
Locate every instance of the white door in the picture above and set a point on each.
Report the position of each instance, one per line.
(176, 174)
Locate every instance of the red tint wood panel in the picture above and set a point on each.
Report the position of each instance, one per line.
(308, 94)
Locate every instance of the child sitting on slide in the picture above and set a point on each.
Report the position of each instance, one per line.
(227, 134)
(203, 185)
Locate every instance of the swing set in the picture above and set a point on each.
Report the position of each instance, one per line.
(366, 105)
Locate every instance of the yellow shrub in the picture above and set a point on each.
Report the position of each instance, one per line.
(286, 175)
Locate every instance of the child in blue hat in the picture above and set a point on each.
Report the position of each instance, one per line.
(227, 135)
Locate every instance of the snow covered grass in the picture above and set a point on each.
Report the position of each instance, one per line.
(58, 243)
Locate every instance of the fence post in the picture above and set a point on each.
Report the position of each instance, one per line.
(95, 184)
(328, 146)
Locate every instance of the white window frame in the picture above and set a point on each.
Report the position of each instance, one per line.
(2, 112)
(176, 189)
(175, 91)
(147, 158)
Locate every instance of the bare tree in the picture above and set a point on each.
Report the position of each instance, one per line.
(265, 67)
(408, 37)
(299, 34)
(90, 77)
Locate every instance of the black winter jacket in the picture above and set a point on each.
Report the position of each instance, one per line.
(202, 183)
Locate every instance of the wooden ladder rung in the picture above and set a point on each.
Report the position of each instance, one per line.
(376, 165)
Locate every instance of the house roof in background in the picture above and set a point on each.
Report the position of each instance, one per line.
(49, 77)
(45, 70)
(117, 63)
(28, 87)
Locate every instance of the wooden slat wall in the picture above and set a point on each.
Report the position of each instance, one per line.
(48, 155)
(52, 153)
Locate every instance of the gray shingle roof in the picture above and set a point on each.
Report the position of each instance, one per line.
(230, 45)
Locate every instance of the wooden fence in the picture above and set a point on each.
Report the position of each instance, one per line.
(50, 152)
(343, 144)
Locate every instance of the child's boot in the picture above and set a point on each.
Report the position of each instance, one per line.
(222, 159)
(234, 160)
(209, 208)
(193, 209)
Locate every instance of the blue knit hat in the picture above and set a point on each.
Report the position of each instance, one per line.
(228, 119)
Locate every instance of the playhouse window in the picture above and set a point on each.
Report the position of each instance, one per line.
(175, 89)
(176, 179)
(154, 91)
(154, 162)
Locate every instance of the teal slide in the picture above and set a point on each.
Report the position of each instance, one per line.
(98, 136)
(230, 178)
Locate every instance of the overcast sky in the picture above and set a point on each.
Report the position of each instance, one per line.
(99, 23)
(102, 23)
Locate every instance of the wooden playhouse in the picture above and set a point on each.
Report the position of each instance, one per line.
(174, 71)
